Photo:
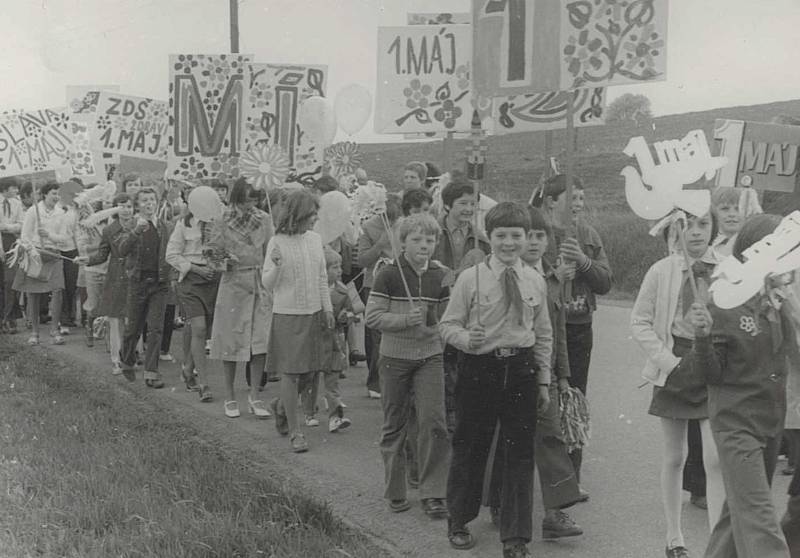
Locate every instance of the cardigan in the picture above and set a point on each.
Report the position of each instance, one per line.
(300, 284)
(654, 312)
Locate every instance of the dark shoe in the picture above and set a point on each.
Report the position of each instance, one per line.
(398, 506)
(460, 538)
(699, 502)
(435, 508)
(155, 384)
(281, 422)
(299, 444)
(788, 471)
(583, 496)
(129, 374)
(189, 379)
(275, 378)
(205, 393)
(560, 526)
(89, 337)
(516, 550)
(494, 512)
(677, 552)
(342, 375)
(356, 357)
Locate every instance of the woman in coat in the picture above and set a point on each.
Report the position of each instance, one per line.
(240, 332)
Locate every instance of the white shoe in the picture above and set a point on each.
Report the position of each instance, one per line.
(232, 409)
(256, 407)
(373, 394)
(312, 421)
(337, 423)
(63, 330)
(208, 346)
(166, 357)
(116, 369)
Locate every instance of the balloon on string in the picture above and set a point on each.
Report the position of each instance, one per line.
(353, 106)
(317, 119)
(333, 216)
(204, 203)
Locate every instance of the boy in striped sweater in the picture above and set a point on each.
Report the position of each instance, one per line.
(411, 361)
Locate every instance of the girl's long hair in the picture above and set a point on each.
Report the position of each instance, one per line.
(300, 206)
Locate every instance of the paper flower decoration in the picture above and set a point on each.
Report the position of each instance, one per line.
(343, 157)
(368, 200)
(266, 166)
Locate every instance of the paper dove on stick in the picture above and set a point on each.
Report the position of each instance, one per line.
(775, 254)
(658, 190)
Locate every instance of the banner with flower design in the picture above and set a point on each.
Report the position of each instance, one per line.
(275, 93)
(43, 140)
(443, 18)
(132, 126)
(537, 46)
(343, 158)
(82, 106)
(423, 79)
(207, 97)
(548, 111)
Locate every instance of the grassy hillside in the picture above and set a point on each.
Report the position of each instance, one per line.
(515, 162)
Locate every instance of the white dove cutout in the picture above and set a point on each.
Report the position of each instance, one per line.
(659, 188)
(775, 254)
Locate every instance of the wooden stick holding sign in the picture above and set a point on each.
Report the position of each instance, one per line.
(476, 163)
(692, 281)
(569, 171)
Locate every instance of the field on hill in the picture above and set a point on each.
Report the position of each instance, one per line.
(515, 163)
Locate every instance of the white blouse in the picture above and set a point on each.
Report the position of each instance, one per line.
(300, 285)
(53, 221)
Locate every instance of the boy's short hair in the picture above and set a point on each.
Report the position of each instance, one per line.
(8, 182)
(507, 214)
(458, 187)
(47, 188)
(538, 222)
(331, 256)
(26, 189)
(415, 197)
(554, 187)
(725, 195)
(422, 222)
(130, 177)
(326, 184)
(145, 191)
(753, 230)
(419, 168)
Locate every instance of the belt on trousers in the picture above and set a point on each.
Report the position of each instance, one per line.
(503, 353)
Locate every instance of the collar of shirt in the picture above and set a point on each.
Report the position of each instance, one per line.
(461, 228)
(497, 267)
(707, 258)
(539, 267)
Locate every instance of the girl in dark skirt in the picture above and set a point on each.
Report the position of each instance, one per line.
(295, 272)
(660, 325)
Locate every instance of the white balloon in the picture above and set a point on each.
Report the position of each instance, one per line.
(353, 107)
(204, 203)
(317, 120)
(333, 221)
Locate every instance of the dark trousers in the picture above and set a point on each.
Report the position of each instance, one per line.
(68, 311)
(579, 350)
(556, 474)
(791, 519)
(694, 472)
(372, 346)
(748, 526)
(9, 303)
(491, 389)
(451, 364)
(145, 307)
(169, 327)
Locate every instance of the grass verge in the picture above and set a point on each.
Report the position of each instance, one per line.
(89, 469)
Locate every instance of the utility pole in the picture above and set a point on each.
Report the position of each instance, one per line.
(234, 25)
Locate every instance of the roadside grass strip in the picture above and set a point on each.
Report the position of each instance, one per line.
(91, 469)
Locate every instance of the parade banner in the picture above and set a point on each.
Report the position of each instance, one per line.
(82, 107)
(423, 79)
(548, 111)
(132, 126)
(206, 115)
(439, 18)
(276, 92)
(538, 46)
(761, 156)
(43, 140)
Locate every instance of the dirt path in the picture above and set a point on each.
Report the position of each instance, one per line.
(622, 519)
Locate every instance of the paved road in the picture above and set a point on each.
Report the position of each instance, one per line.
(623, 518)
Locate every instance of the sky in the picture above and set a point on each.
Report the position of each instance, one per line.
(720, 52)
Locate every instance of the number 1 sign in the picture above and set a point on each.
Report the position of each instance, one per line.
(536, 46)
